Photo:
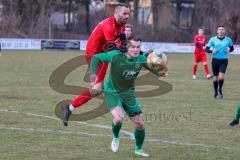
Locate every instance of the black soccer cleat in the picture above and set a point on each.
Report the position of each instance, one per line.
(220, 95)
(216, 96)
(66, 114)
(233, 123)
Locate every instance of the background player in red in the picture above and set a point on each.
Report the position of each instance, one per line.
(103, 38)
(200, 54)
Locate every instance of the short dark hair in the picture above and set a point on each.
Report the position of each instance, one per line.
(133, 39)
(122, 5)
(201, 28)
(220, 26)
(129, 26)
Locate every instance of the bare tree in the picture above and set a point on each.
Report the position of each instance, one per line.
(155, 14)
(135, 10)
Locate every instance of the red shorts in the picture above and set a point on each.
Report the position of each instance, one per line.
(101, 69)
(200, 57)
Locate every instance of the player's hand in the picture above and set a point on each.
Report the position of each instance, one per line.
(163, 74)
(214, 51)
(228, 51)
(93, 79)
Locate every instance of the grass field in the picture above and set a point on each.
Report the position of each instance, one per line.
(186, 123)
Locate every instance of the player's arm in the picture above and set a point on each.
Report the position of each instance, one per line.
(101, 57)
(96, 59)
(230, 45)
(122, 45)
(209, 45)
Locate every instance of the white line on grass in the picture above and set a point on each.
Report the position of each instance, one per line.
(128, 134)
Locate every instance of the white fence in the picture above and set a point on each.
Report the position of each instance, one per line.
(20, 44)
(36, 44)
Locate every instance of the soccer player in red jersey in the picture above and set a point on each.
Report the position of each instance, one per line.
(103, 38)
(199, 53)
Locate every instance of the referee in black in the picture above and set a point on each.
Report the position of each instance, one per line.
(221, 47)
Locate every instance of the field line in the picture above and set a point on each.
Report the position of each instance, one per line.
(128, 135)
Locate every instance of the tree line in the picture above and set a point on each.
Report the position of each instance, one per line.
(30, 18)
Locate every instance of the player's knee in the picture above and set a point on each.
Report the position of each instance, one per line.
(139, 126)
(118, 119)
(95, 92)
(221, 77)
(215, 78)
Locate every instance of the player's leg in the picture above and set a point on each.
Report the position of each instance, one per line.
(118, 115)
(195, 65)
(222, 70)
(215, 69)
(87, 94)
(115, 105)
(194, 76)
(235, 121)
(139, 134)
(133, 109)
(205, 65)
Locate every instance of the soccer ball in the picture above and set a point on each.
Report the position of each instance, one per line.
(157, 61)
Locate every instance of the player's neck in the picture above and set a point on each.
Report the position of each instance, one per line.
(221, 37)
(129, 57)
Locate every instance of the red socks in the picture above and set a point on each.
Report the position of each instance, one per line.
(81, 99)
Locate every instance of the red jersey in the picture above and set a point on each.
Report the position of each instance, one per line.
(106, 31)
(200, 42)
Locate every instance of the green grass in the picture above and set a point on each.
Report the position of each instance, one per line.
(189, 114)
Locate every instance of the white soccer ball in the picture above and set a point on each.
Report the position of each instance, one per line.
(157, 61)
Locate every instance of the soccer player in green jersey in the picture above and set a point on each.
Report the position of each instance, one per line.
(119, 89)
(235, 121)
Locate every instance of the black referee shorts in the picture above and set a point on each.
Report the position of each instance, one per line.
(219, 65)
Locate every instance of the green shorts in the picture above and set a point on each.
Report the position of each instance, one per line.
(126, 100)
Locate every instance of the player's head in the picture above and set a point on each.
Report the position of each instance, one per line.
(134, 47)
(221, 31)
(128, 31)
(122, 13)
(200, 31)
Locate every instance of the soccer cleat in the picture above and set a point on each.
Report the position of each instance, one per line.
(233, 123)
(194, 77)
(66, 114)
(216, 96)
(141, 152)
(209, 76)
(115, 144)
(220, 95)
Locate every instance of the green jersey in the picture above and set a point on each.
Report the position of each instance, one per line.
(123, 70)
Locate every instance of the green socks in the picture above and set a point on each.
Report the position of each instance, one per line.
(238, 113)
(139, 137)
(116, 129)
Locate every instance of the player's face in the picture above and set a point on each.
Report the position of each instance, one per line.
(221, 31)
(134, 49)
(201, 32)
(123, 14)
(128, 32)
